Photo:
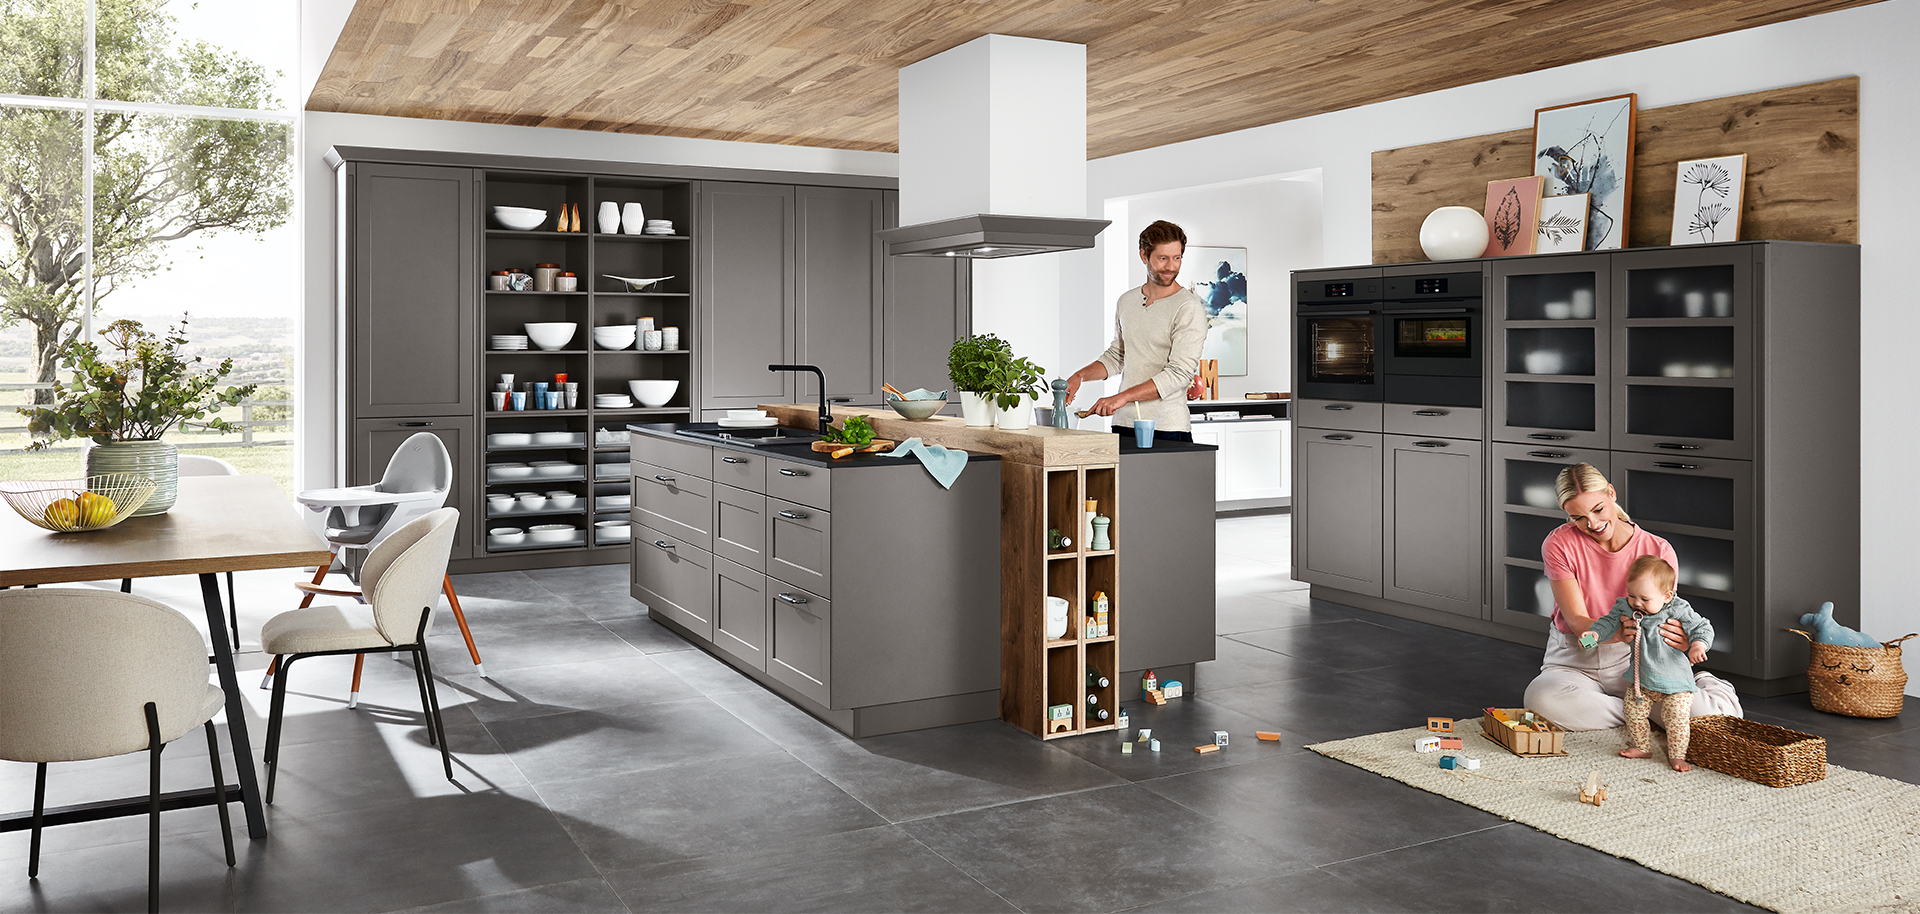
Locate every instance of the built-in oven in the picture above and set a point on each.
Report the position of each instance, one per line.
(1338, 336)
(1432, 341)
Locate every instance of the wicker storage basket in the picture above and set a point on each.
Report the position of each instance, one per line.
(1761, 753)
(1856, 681)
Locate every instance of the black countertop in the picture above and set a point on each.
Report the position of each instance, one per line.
(799, 453)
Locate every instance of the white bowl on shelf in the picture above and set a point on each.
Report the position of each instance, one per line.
(562, 501)
(519, 218)
(552, 438)
(500, 504)
(552, 335)
(509, 471)
(552, 533)
(653, 394)
(616, 336)
(509, 439)
(613, 531)
(531, 501)
(547, 469)
(506, 536)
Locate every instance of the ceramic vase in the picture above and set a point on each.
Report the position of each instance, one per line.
(156, 460)
(609, 217)
(633, 219)
(1453, 233)
(977, 408)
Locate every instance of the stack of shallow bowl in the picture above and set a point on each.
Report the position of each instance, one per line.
(508, 342)
(615, 336)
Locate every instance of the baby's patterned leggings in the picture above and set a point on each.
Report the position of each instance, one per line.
(1679, 706)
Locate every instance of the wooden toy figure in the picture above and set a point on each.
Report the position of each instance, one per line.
(1593, 792)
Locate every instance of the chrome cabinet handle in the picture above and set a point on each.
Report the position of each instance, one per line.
(1430, 412)
(790, 598)
(787, 472)
(794, 515)
(732, 460)
(1676, 447)
(1429, 444)
(1676, 466)
(669, 480)
(414, 424)
(1549, 455)
(663, 544)
(1338, 437)
(1540, 437)
(1337, 407)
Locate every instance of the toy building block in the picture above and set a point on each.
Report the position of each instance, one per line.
(1173, 688)
(1219, 737)
(1210, 747)
(1153, 745)
(1593, 791)
(1449, 762)
(1060, 712)
(1471, 763)
(1126, 748)
(1123, 722)
(1156, 696)
(1146, 733)
(1451, 742)
(1062, 725)
(1440, 724)
(1272, 736)
(1427, 744)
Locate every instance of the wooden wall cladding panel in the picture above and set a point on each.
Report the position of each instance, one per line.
(1803, 168)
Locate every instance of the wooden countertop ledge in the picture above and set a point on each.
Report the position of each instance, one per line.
(1043, 446)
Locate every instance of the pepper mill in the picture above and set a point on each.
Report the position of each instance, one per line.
(1060, 404)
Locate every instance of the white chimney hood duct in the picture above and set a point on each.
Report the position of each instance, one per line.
(993, 151)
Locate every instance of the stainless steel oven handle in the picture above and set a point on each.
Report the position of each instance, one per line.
(1676, 447)
(1416, 312)
(1430, 412)
(1540, 437)
(1668, 465)
(1549, 455)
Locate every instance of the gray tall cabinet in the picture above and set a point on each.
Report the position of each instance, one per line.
(1717, 387)
(766, 267)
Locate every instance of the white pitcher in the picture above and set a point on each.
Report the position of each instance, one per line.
(609, 217)
(633, 219)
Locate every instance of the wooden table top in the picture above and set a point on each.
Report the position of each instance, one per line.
(219, 523)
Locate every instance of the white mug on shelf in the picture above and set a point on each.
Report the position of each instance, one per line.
(653, 340)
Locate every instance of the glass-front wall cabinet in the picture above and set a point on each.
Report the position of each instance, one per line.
(1551, 349)
(1524, 510)
(1682, 350)
(1704, 507)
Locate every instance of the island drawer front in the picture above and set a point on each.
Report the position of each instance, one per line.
(740, 610)
(674, 579)
(673, 503)
(1434, 421)
(741, 471)
(1352, 415)
(807, 484)
(800, 641)
(679, 457)
(740, 526)
(800, 546)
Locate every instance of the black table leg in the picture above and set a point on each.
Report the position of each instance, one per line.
(236, 711)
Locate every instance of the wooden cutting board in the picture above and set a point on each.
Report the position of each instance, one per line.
(874, 447)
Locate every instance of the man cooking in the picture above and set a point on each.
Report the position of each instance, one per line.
(1157, 334)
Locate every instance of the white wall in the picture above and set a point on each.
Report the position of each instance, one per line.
(1873, 42)
(319, 414)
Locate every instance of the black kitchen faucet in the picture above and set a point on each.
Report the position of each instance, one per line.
(826, 409)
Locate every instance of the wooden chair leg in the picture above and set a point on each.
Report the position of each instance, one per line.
(318, 577)
(453, 600)
(353, 696)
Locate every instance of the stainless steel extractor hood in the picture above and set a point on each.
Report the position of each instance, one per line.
(988, 235)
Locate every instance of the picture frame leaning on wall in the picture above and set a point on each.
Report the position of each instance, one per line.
(1587, 148)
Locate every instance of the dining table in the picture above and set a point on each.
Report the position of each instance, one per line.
(218, 524)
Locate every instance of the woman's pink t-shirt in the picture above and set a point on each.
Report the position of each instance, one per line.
(1572, 555)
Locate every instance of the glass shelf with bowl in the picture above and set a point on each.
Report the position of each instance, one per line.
(1682, 352)
(1551, 347)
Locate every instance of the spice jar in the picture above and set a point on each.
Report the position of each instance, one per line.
(497, 281)
(543, 276)
(567, 283)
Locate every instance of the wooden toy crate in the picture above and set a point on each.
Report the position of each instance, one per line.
(1525, 743)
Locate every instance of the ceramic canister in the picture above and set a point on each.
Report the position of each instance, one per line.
(653, 339)
(633, 219)
(543, 276)
(670, 337)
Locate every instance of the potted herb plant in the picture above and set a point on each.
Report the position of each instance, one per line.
(1015, 384)
(124, 403)
(971, 364)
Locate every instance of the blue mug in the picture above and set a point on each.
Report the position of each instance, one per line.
(1143, 432)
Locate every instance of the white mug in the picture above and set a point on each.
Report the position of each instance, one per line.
(499, 398)
(654, 339)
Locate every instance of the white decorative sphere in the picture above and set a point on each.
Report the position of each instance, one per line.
(1454, 233)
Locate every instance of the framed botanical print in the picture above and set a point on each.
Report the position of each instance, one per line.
(1587, 148)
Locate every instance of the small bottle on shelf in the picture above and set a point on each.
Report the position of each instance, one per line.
(1098, 714)
(1093, 699)
(1095, 680)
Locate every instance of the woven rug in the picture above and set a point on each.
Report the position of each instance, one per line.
(1850, 842)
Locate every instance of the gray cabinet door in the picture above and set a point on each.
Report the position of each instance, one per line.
(673, 503)
(740, 526)
(375, 441)
(838, 322)
(1523, 508)
(673, 579)
(1683, 344)
(1169, 615)
(1433, 552)
(926, 304)
(800, 546)
(745, 293)
(1550, 356)
(740, 610)
(1336, 539)
(800, 641)
(412, 291)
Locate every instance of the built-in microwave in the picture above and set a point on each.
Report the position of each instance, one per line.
(1432, 341)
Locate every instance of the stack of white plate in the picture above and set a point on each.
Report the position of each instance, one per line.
(748, 418)
(507, 341)
(658, 227)
(612, 401)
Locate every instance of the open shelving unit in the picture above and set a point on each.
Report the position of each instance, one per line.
(1037, 672)
(589, 254)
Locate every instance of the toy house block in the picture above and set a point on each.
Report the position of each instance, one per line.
(1440, 724)
(1219, 737)
(1173, 689)
(1427, 744)
(1470, 763)
(1451, 742)
(1126, 748)
(1060, 726)
(1153, 745)
(1272, 736)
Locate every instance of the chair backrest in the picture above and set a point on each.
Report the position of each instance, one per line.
(403, 574)
(420, 465)
(78, 665)
(197, 465)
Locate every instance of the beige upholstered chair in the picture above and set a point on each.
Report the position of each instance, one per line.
(197, 465)
(90, 674)
(400, 584)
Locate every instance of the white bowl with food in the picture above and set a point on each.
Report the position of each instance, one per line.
(519, 218)
(552, 533)
(653, 394)
(552, 335)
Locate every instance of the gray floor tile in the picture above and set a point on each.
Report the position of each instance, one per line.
(906, 776)
(778, 720)
(580, 896)
(874, 869)
(1179, 725)
(531, 643)
(1339, 705)
(1273, 609)
(584, 744)
(110, 878)
(645, 818)
(646, 635)
(556, 689)
(386, 765)
(1236, 664)
(1099, 850)
(700, 670)
(1310, 892)
(590, 581)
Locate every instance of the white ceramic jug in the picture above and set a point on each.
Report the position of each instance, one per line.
(1056, 618)
(633, 219)
(609, 217)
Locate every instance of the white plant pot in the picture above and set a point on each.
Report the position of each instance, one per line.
(1017, 418)
(978, 409)
(633, 218)
(609, 217)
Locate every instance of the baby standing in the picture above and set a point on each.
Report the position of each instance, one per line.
(1663, 673)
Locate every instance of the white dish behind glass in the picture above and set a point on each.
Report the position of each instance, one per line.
(636, 285)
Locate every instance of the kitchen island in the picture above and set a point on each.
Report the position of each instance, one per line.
(877, 601)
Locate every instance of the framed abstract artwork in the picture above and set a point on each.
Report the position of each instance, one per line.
(1563, 224)
(1219, 277)
(1706, 199)
(1587, 148)
(1513, 212)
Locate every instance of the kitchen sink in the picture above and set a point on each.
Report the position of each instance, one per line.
(748, 437)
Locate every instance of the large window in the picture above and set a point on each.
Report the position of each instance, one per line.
(146, 172)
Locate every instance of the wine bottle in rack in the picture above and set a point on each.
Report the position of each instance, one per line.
(1096, 681)
(1098, 714)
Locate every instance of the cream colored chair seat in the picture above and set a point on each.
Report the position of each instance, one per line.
(320, 629)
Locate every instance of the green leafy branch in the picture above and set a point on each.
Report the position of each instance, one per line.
(854, 431)
(140, 395)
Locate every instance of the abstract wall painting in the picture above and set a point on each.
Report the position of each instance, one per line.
(1563, 224)
(1513, 211)
(1706, 199)
(1219, 277)
(1587, 148)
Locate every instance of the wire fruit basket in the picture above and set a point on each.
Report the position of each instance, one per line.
(79, 505)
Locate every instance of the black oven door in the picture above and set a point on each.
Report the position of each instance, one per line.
(1432, 355)
(1339, 356)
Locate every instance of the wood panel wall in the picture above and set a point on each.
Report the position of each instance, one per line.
(1803, 168)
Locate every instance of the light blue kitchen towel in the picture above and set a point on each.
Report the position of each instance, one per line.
(944, 464)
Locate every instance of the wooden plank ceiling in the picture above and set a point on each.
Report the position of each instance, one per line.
(823, 72)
